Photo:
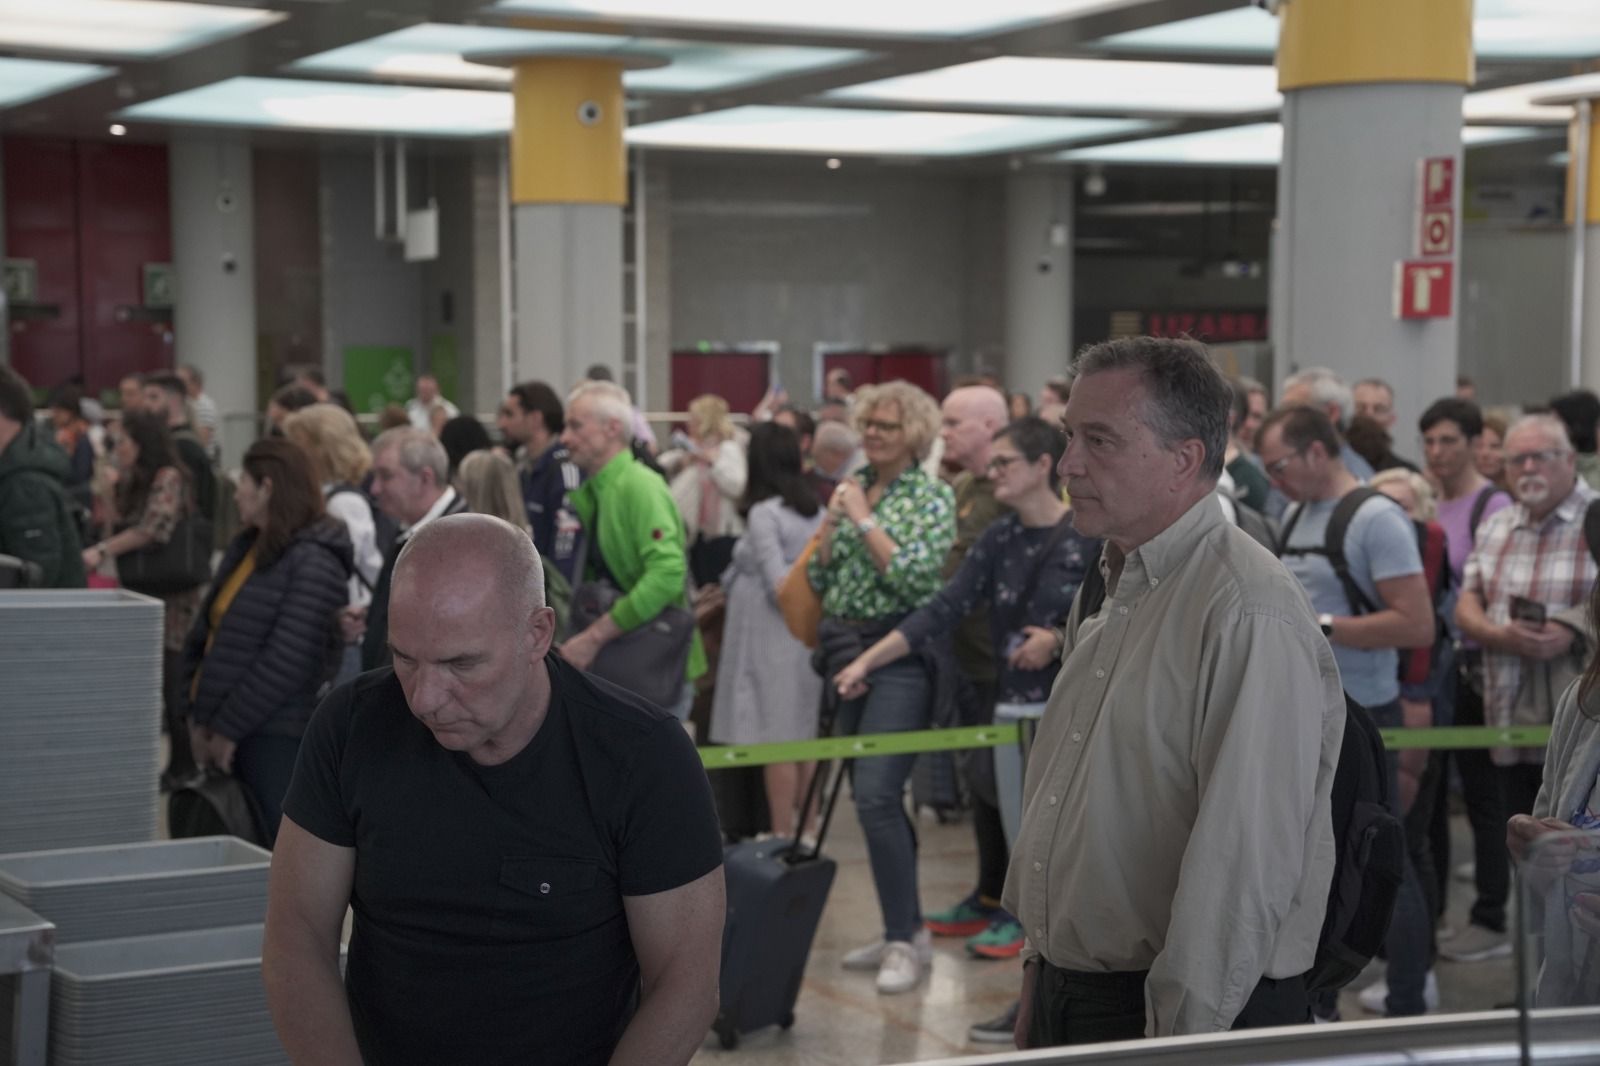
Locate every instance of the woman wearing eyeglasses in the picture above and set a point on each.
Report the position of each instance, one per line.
(883, 542)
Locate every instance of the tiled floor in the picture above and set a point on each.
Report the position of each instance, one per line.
(841, 1020)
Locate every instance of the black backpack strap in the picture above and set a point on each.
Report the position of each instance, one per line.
(1591, 530)
(1479, 505)
(1092, 592)
(1288, 528)
(1333, 546)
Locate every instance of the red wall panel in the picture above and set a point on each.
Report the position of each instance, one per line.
(741, 378)
(41, 219)
(90, 215)
(920, 368)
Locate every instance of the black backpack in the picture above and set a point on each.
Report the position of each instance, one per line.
(1369, 842)
(1333, 544)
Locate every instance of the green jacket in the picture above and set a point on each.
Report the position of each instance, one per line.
(36, 520)
(641, 535)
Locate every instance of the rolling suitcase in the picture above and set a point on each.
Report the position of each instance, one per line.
(776, 892)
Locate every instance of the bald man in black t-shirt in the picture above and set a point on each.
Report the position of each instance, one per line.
(532, 854)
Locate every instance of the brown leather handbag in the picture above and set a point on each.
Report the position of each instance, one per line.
(799, 602)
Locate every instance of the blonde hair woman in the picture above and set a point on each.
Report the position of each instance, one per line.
(488, 482)
(1410, 490)
(708, 479)
(340, 459)
(883, 544)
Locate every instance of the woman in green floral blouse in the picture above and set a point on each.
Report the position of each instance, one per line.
(884, 539)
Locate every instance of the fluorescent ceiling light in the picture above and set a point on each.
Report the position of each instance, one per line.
(886, 18)
(122, 29)
(1259, 144)
(283, 103)
(433, 52)
(845, 131)
(25, 80)
(1501, 29)
(1082, 85)
(1515, 103)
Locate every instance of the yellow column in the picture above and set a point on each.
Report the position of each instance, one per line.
(1592, 209)
(566, 137)
(1354, 42)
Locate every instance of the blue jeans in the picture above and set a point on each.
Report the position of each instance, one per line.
(264, 765)
(1409, 944)
(897, 702)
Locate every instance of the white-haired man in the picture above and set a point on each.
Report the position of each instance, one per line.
(1523, 598)
(1321, 388)
(636, 536)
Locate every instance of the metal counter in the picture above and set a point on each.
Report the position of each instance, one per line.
(27, 951)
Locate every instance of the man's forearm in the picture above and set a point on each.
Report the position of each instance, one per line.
(1382, 629)
(669, 1026)
(309, 1009)
(1474, 623)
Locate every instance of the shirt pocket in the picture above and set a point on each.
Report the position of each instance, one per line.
(546, 898)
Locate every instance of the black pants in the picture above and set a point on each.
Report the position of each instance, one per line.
(1483, 792)
(1087, 1008)
(182, 762)
(993, 854)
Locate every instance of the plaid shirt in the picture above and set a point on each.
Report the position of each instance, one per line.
(1548, 563)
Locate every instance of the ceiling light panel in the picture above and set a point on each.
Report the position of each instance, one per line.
(122, 29)
(25, 80)
(846, 131)
(332, 107)
(433, 52)
(1501, 30)
(874, 18)
(1259, 144)
(1515, 103)
(1107, 85)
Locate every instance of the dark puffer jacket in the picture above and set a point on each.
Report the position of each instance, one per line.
(36, 519)
(278, 642)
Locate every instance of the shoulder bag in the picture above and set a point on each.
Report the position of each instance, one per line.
(183, 562)
(797, 600)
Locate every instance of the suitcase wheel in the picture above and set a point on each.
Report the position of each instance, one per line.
(727, 1036)
(787, 1021)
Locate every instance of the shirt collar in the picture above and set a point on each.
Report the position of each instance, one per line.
(1169, 549)
(1567, 511)
(440, 506)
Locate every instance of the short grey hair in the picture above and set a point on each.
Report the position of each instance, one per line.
(417, 450)
(607, 400)
(1549, 424)
(516, 561)
(835, 437)
(1376, 383)
(1186, 396)
(1251, 387)
(1327, 390)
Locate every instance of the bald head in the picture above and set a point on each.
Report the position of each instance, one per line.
(476, 557)
(970, 417)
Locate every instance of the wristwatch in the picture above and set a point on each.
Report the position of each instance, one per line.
(1326, 622)
(867, 525)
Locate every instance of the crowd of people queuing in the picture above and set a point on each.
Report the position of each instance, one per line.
(946, 542)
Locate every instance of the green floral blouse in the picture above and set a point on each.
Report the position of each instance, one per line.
(919, 514)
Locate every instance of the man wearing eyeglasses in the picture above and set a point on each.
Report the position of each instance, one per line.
(1380, 604)
(1523, 598)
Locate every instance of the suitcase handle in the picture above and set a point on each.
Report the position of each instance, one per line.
(797, 854)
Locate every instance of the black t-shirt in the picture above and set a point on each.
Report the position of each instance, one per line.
(489, 925)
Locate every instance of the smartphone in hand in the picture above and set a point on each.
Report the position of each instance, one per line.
(1528, 612)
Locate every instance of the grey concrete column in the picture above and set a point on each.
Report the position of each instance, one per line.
(1347, 193)
(1039, 237)
(214, 265)
(1591, 306)
(491, 269)
(568, 283)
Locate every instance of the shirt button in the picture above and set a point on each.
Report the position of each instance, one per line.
(1038, 866)
(1154, 582)
(544, 888)
(1075, 737)
(1038, 934)
(1052, 801)
(1123, 610)
(1099, 673)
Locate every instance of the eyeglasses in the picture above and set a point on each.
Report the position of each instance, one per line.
(1278, 466)
(880, 426)
(1541, 457)
(998, 464)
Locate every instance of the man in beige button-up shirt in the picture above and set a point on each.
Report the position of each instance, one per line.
(1176, 847)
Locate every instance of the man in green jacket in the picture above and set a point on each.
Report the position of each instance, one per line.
(633, 525)
(36, 521)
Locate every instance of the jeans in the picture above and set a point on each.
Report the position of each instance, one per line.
(264, 765)
(896, 703)
(1410, 941)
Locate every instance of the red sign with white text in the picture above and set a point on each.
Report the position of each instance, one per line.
(1436, 181)
(1423, 288)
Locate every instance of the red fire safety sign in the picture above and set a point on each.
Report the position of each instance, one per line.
(1422, 288)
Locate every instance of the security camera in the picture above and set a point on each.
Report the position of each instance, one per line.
(590, 112)
(1045, 266)
(230, 263)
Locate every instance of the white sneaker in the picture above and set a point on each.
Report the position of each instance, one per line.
(1375, 997)
(871, 957)
(901, 970)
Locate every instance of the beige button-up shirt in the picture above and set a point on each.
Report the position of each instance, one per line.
(1176, 810)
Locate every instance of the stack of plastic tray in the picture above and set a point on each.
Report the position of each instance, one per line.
(125, 890)
(178, 999)
(80, 705)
